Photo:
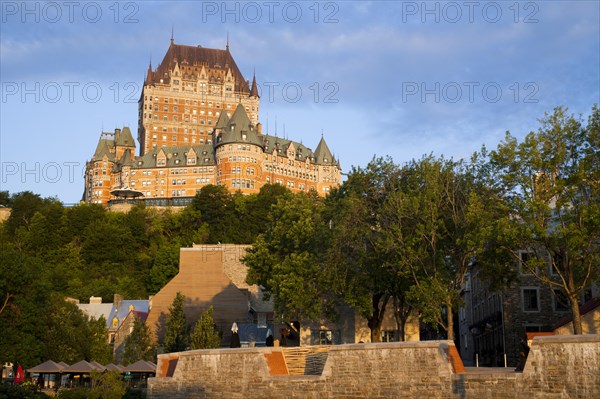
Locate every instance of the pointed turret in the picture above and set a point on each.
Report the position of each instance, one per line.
(239, 120)
(254, 89)
(239, 129)
(126, 159)
(323, 154)
(149, 74)
(222, 121)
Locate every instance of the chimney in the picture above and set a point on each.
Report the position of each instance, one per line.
(117, 301)
(95, 299)
(259, 128)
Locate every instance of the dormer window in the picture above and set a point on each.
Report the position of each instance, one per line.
(243, 136)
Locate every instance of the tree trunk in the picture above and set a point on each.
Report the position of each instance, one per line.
(577, 327)
(450, 322)
(401, 314)
(377, 313)
(376, 331)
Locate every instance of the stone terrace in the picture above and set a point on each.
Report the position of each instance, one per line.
(557, 367)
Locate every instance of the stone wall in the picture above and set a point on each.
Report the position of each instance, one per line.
(558, 367)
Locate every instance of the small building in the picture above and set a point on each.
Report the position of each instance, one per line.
(115, 314)
(493, 323)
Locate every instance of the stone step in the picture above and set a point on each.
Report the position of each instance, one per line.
(305, 360)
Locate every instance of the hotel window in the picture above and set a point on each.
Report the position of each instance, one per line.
(531, 300)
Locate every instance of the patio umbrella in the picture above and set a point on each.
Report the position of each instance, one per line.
(19, 376)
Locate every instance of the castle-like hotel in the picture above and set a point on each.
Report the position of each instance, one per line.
(198, 125)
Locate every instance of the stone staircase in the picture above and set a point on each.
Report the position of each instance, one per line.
(305, 360)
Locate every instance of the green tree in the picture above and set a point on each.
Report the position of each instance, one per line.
(550, 181)
(217, 210)
(356, 260)
(4, 198)
(24, 205)
(70, 336)
(205, 334)
(288, 259)
(176, 333)
(165, 267)
(138, 345)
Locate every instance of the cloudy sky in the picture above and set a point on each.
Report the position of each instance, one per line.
(375, 78)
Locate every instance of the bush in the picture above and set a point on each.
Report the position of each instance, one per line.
(20, 391)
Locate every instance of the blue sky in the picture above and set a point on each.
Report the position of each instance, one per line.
(376, 78)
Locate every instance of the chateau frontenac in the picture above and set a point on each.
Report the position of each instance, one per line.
(198, 125)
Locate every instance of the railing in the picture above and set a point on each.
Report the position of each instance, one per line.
(175, 201)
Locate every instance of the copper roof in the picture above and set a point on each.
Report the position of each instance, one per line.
(197, 57)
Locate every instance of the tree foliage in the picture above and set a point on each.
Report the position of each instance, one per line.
(50, 251)
(138, 345)
(176, 332)
(205, 334)
(287, 260)
(550, 182)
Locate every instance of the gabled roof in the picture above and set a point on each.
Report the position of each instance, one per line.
(104, 148)
(47, 367)
(141, 366)
(323, 153)
(82, 367)
(125, 307)
(114, 367)
(176, 156)
(273, 142)
(198, 56)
